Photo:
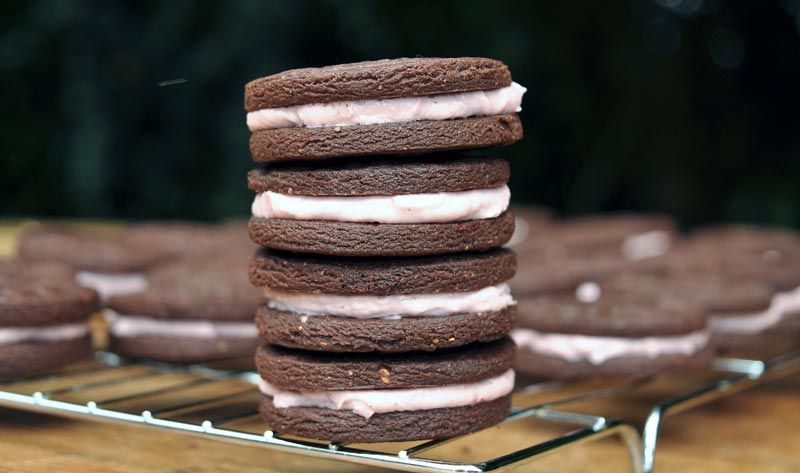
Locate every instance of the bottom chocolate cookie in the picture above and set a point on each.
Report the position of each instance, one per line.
(183, 350)
(757, 345)
(347, 426)
(36, 357)
(541, 366)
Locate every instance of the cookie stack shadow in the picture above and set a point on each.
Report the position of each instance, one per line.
(387, 307)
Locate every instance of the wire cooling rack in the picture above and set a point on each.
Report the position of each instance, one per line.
(211, 402)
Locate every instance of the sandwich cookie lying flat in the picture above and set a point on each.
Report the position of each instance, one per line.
(742, 312)
(768, 261)
(192, 311)
(608, 332)
(384, 305)
(44, 318)
(105, 262)
(398, 207)
(397, 106)
(384, 398)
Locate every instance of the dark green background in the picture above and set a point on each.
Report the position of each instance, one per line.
(681, 106)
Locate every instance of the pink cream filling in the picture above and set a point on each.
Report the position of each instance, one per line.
(108, 285)
(411, 208)
(51, 333)
(488, 299)
(403, 109)
(598, 350)
(136, 325)
(782, 305)
(366, 403)
(645, 245)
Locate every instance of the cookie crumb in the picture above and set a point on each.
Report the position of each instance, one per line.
(384, 374)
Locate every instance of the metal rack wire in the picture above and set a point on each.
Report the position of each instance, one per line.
(211, 416)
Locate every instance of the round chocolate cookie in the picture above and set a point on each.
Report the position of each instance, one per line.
(414, 137)
(356, 276)
(387, 176)
(747, 238)
(615, 313)
(717, 293)
(632, 236)
(192, 311)
(182, 349)
(212, 289)
(37, 357)
(384, 335)
(384, 79)
(191, 239)
(108, 252)
(312, 371)
(553, 268)
(381, 239)
(42, 294)
(44, 318)
(378, 398)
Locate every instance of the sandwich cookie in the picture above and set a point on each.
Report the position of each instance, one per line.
(600, 331)
(106, 262)
(388, 207)
(44, 318)
(396, 106)
(191, 312)
(741, 311)
(753, 255)
(384, 305)
(386, 398)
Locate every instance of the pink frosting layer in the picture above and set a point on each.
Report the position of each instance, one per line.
(488, 299)
(782, 305)
(108, 285)
(404, 109)
(411, 208)
(366, 403)
(136, 325)
(646, 245)
(51, 333)
(598, 350)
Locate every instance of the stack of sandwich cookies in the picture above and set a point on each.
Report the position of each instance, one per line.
(388, 307)
(191, 312)
(44, 318)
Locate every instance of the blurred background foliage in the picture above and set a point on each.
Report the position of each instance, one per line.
(680, 106)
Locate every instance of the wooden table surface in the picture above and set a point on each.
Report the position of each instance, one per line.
(755, 431)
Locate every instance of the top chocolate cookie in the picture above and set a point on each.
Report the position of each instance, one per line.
(398, 106)
(384, 79)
